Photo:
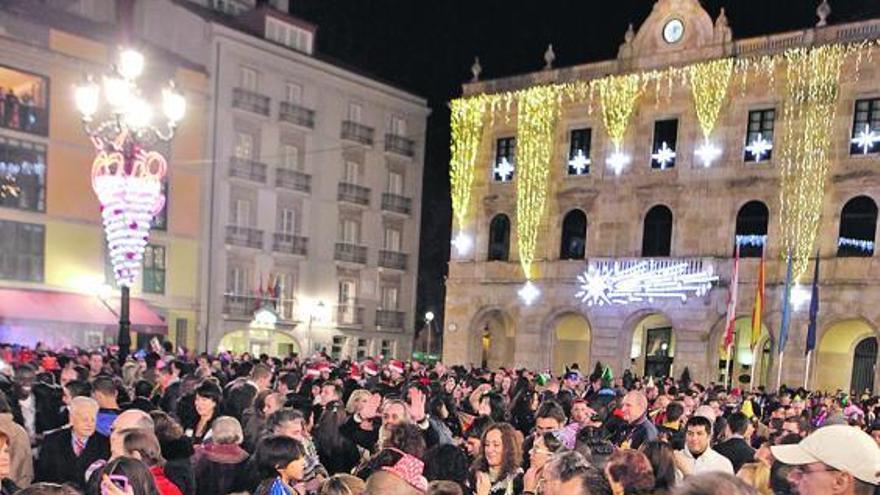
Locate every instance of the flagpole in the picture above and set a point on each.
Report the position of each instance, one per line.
(727, 379)
(754, 367)
(779, 372)
(807, 375)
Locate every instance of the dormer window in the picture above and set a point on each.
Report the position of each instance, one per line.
(289, 35)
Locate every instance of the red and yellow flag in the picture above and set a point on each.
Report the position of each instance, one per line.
(758, 310)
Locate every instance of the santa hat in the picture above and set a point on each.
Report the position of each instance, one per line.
(354, 372)
(370, 368)
(322, 367)
(313, 372)
(395, 366)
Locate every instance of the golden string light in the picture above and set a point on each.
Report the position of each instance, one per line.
(467, 128)
(538, 110)
(709, 82)
(810, 100)
(619, 95)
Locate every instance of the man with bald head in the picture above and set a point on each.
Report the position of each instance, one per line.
(132, 419)
(66, 453)
(387, 483)
(639, 429)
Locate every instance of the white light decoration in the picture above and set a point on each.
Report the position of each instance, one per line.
(173, 104)
(643, 280)
(618, 161)
(664, 156)
(751, 240)
(708, 153)
(866, 139)
(579, 163)
(87, 99)
(759, 147)
(800, 295)
(462, 243)
(129, 201)
(529, 293)
(117, 91)
(866, 246)
(503, 170)
(131, 64)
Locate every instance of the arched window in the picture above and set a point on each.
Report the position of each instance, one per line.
(751, 229)
(499, 238)
(657, 236)
(858, 221)
(574, 236)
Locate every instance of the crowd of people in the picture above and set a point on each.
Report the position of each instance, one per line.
(162, 423)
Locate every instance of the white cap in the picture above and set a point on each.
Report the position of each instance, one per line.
(842, 447)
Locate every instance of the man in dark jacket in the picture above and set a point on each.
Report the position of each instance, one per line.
(67, 453)
(639, 429)
(737, 448)
(363, 428)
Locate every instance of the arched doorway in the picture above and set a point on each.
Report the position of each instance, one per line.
(494, 339)
(657, 232)
(846, 357)
(653, 346)
(257, 341)
(574, 236)
(745, 359)
(751, 229)
(571, 333)
(858, 223)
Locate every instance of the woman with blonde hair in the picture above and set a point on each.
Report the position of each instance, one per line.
(757, 475)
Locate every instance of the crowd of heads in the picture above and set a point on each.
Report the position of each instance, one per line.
(75, 421)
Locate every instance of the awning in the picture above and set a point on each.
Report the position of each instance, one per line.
(68, 307)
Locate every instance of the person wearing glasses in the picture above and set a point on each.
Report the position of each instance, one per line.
(833, 460)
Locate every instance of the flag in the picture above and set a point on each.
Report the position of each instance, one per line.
(270, 291)
(786, 307)
(731, 302)
(814, 309)
(758, 310)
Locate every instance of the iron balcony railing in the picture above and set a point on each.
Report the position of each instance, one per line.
(392, 259)
(350, 252)
(400, 145)
(250, 101)
(247, 169)
(290, 244)
(390, 319)
(350, 314)
(293, 179)
(244, 305)
(296, 114)
(354, 131)
(396, 203)
(244, 236)
(353, 193)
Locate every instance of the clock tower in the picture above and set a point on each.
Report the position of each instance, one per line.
(676, 32)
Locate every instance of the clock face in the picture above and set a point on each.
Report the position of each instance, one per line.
(673, 30)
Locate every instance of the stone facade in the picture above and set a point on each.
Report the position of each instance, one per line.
(486, 321)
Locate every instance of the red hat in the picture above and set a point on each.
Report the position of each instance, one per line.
(322, 367)
(354, 372)
(395, 366)
(313, 372)
(49, 363)
(370, 368)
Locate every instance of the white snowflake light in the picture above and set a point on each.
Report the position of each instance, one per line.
(863, 245)
(503, 170)
(759, 147)
(708, 153)
(462, 243)
(579, 163)
(800, 295)
(529, 293)
(665, 156)
(617, 161)
(866, 139)
(643, 280)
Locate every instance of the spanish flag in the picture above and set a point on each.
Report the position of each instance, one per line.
(759, 306)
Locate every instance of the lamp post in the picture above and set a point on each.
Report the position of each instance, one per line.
(429, 317)
(126, 174)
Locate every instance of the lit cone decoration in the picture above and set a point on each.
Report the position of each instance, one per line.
(130, 197)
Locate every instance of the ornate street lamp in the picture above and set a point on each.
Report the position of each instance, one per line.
(126, 173)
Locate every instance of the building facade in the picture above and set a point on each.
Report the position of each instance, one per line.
(314, 194)
(56, 284)
(666, 209)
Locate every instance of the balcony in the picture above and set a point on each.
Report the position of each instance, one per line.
(290, 244)
(400, 145)
(353, 193)
(350, 252)
(296, 115)
(392, 259)
(350, 314)
(396, 203)
(250, 101)
(244, 237)
(293, 179)
(244, 305)
(247, 169)
(389, 319)
(358, 133)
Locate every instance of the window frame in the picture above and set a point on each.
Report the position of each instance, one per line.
(762, 131)
(586, 146)
(657, 141)
(505, 147)
(154, 278)
(23, 237)
(873, 121)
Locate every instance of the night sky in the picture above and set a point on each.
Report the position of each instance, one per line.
(427, 47)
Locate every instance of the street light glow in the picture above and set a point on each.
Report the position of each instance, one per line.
(131, 64)
(429, 316)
